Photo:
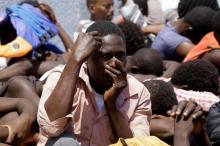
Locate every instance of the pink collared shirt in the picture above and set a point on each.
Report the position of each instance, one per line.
(91, 127)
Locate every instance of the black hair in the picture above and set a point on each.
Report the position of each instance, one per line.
(200, 19)
(106, 28)
(34, 3)
(143, 6)
(216, 22)
(162, 96)
(185, 6)
(133, 36)
(89, 2)
(198, 75)
(148, 61)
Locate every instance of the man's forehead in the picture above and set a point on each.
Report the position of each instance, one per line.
(112, 43)
(113, 39)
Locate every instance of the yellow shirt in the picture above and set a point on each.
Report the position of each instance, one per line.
(144, 141)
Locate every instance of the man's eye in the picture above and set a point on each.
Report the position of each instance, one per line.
(107, 56)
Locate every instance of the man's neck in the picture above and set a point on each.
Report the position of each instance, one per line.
(99, 88)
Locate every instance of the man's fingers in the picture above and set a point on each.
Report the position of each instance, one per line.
(93, 33)
(113, 70)
(198, 112)
(110, 73)
(189, 109)
(120, 65)
(172, 112)
(181, 106)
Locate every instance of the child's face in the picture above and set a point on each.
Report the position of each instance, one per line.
(102, 10)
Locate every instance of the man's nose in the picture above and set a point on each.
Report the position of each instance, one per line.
(112, 62)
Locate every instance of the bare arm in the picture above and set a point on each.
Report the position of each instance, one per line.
(118, 121)
(66, 39)
(20, 126)
(155, 29)
(16, 69)
(61, 98)
(170, 67)
(183, 49)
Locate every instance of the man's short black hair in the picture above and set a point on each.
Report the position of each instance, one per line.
(106, 28)
(162, 96)
(89, 2)
(185, 6)
(200, 18)
(216, 22)
(34, 3)
(133, 36)
(143, 6)
(148, 61)
(198, 75)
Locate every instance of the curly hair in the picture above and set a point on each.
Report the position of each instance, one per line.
(162, 96)
(106, 28)
(198, 75)
(185, 6)
(148, 61)
(133, 36)
(216, 23)
(200, 19)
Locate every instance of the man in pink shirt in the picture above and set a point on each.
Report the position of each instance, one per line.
(96, 102)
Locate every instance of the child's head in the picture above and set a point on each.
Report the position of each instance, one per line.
(100, 9)
(198, 75)
(162, 96)
(146, 61)
(134, 37)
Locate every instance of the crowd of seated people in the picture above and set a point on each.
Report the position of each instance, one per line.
(135, 79)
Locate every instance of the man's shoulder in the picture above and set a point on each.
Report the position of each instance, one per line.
(135, 86)
(83, 25)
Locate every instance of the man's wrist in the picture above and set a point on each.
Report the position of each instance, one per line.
(111, 106)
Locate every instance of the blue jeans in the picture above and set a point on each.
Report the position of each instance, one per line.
(65, 139)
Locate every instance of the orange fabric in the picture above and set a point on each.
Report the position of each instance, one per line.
(207, 43)
(17, 48)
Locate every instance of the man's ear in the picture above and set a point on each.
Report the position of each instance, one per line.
(91, 8)
(134, 69)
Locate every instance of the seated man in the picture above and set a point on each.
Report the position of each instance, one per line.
(208, 47)
(96, 100)
(147, 63)
(170, 41)
(99, 10)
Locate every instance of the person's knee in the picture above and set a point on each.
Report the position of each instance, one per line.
(65, 139)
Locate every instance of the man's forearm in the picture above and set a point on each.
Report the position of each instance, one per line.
(16, 69)
(120, 125)
(60, 101)
(181, 139)
(66, 39)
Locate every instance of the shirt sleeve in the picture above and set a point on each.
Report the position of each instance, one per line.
(131, 12)
(155, 13)
(140, 120)
(47, 127)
